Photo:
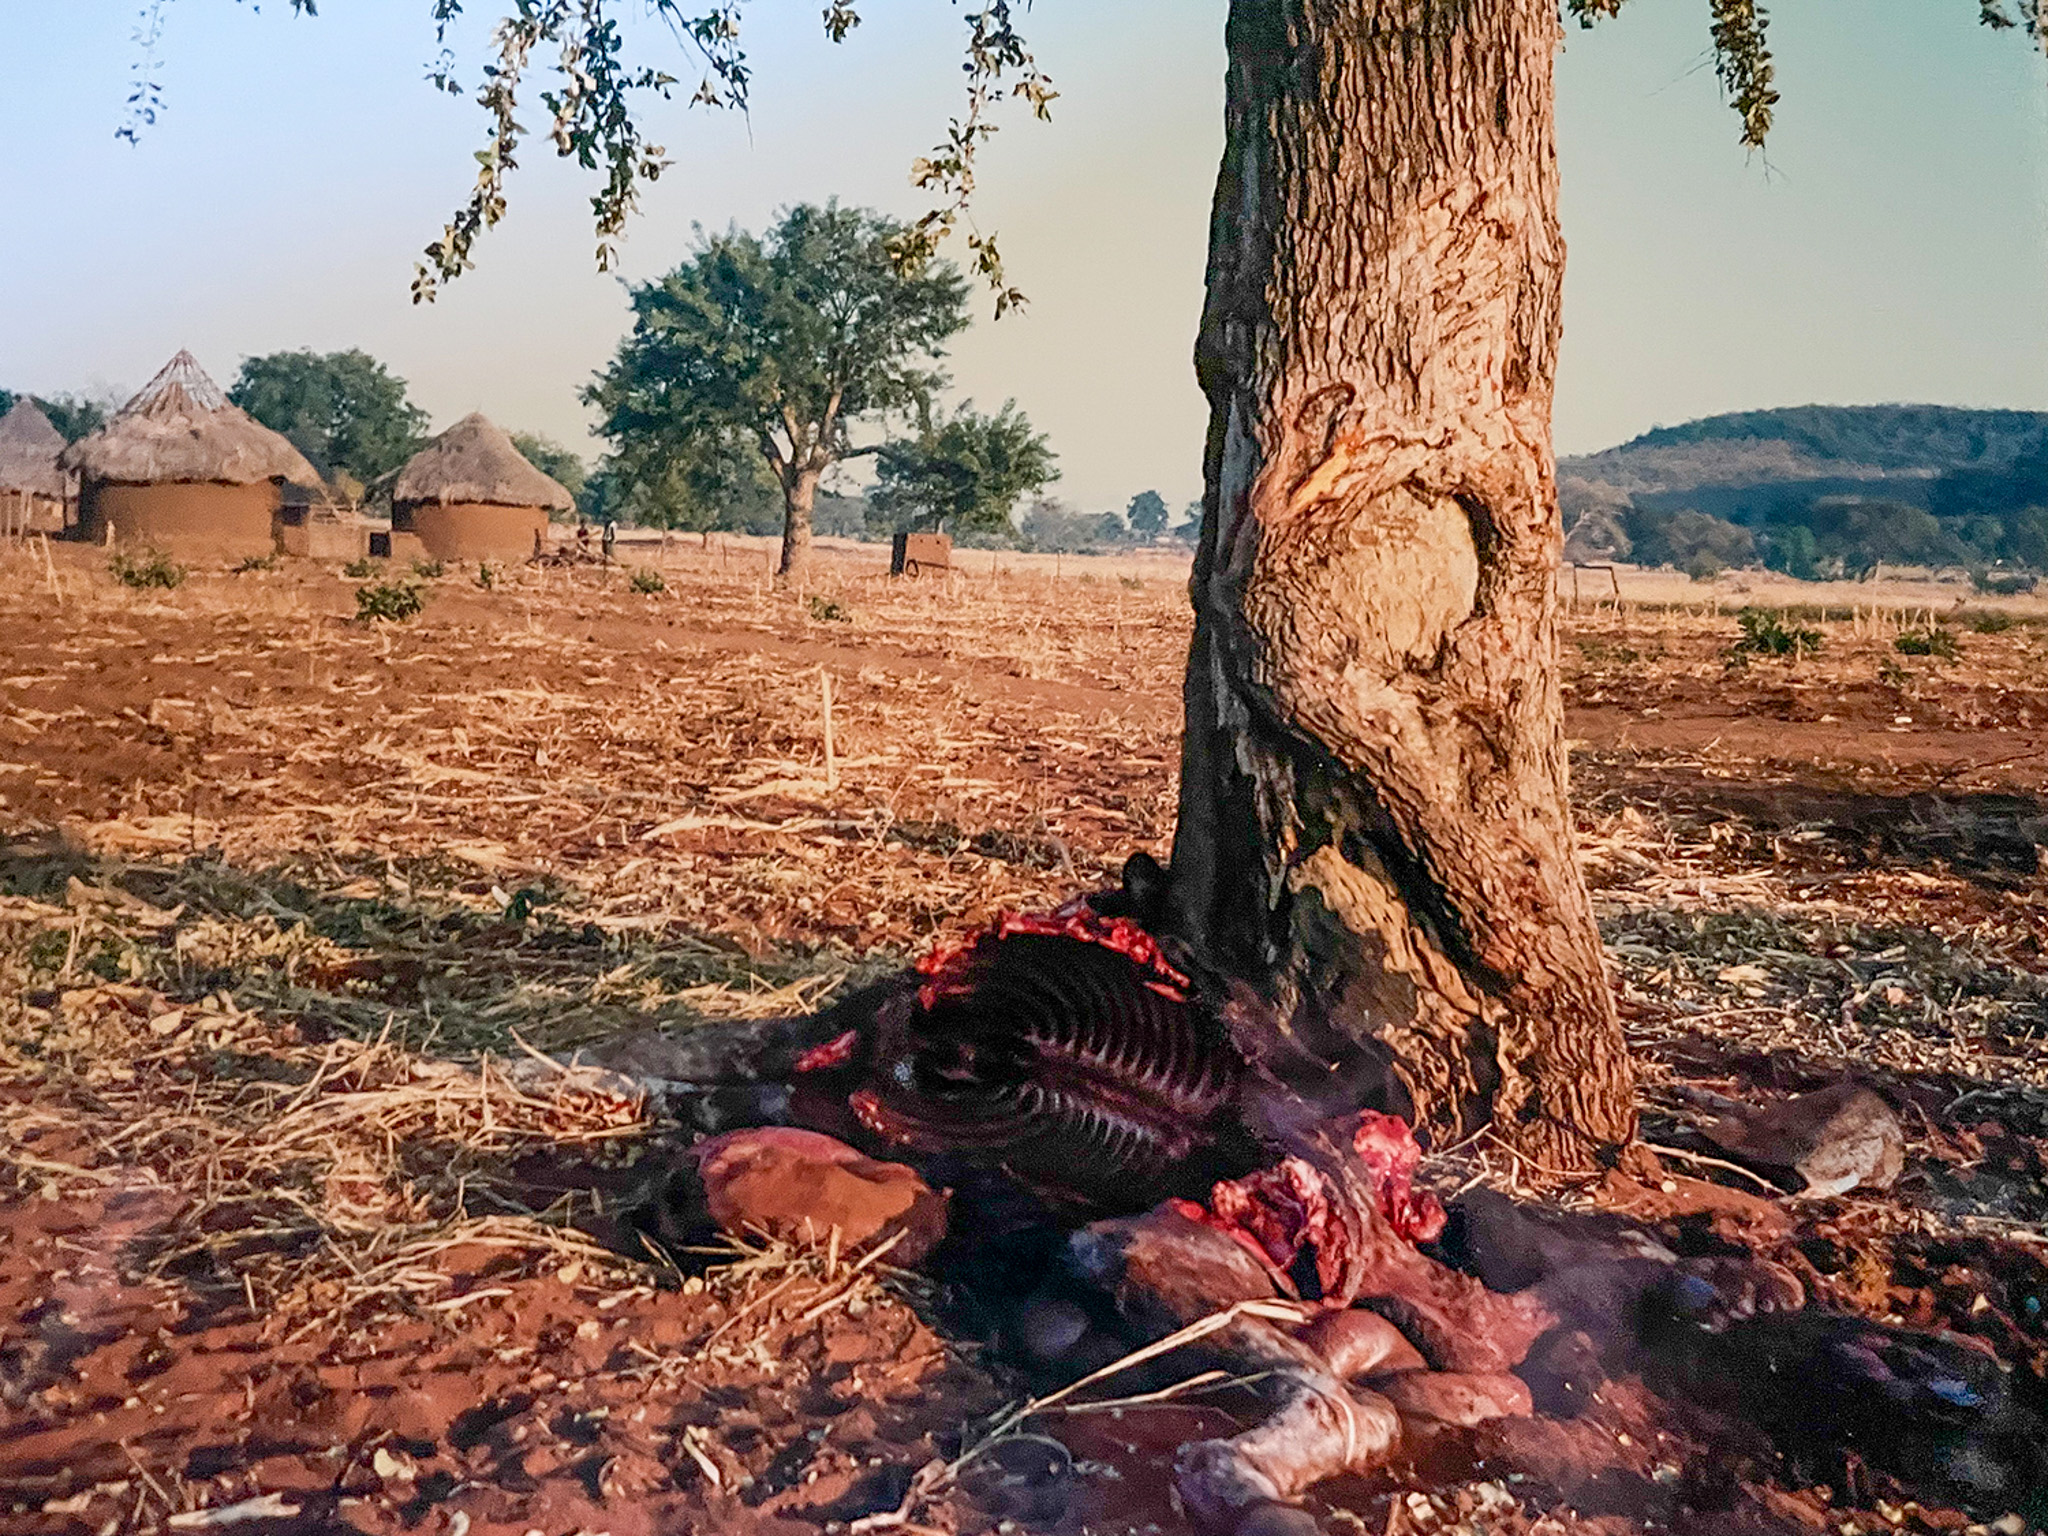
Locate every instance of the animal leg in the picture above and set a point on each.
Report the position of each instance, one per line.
(1317, 1428)
(1166, 1271)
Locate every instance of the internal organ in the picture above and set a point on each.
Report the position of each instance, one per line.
(1063, 1050)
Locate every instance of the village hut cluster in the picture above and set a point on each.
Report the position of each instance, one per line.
(182, 469)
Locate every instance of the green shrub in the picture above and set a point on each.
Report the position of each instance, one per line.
(151, 568)
(255, 563)
(393, 600)
(485, 576)
(1990, 621)
(647, 579)
(428, 569)
(359, 569)
(1766, 633)
(1928, 642)
(825, 611)
(2002, 583)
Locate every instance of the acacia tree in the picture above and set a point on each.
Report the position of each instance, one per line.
(1373, 824)
(780, 345)
(967, 469)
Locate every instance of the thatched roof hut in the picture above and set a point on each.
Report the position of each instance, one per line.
(181, 429)
(180, 468)
(29, 448)
(471, 495)
(474, 462)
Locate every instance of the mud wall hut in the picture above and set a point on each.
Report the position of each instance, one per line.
(471, 495)
(32, 487)
(182, 470)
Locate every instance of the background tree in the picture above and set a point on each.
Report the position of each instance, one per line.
(343, 410)
(967, 470)
(782, 343)
(711, 481)
(560, 464)
(1147, 514)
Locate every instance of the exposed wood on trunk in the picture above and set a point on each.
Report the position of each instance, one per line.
(1373, 822)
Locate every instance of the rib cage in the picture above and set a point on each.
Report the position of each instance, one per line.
(1058, 1059)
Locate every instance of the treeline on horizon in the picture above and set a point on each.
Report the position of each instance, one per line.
(1821, 492)
(351, 418)
(1814, 492)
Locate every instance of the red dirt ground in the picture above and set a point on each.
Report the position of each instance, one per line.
(177, 770)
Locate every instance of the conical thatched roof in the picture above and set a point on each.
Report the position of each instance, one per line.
(29, 447)
(474, 463)
(182, 428)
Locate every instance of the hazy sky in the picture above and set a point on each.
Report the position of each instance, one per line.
(1895, 246)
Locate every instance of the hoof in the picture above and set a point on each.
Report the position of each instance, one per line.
(1025, 1478)
(1049, 1328)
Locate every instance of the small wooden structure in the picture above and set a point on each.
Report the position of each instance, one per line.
(471, 495)
(1577, 566)
(916, 554)
(313, 526)
(182, 470)
(32, 487)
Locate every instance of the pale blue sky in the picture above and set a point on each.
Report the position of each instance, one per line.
(1894, 248)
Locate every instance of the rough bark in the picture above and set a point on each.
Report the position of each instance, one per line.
(799, 494)
(1373, 821)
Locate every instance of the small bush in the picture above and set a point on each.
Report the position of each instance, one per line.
(1766, 633)
(393, 600)
(427, 570)
(1928, 642)
(825, 611)
(1597, 651)
(359, 569)
(255, 563)
(647, 579)
(1990, 621)
(1704, 566)
(485, 576)
(1130, 583)
(151, 568)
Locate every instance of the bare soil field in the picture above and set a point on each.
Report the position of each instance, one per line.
(294, 1237)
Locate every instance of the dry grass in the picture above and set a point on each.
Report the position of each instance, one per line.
(286, 901)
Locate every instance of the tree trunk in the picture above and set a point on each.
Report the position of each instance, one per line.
(1373, 822)
(799, 493)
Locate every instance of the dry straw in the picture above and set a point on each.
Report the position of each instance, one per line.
(181, 428)
(474, 463)
(29, 449)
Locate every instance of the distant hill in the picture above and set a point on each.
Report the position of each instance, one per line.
(1867, 484)
(1888, 437)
